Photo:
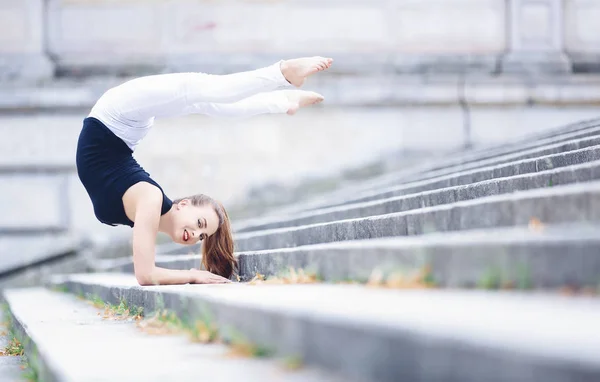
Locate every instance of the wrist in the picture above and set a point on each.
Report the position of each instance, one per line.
(189, 275)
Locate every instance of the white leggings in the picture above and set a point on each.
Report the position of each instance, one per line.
(169, 95)
(129, 109)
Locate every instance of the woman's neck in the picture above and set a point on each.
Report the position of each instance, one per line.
(165, 224)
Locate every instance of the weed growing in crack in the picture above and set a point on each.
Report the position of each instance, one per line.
(13, 348)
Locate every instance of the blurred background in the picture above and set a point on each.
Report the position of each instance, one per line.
(411, 79)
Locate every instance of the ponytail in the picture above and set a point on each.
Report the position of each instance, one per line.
(217, 250)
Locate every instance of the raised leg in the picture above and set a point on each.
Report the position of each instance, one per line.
(169, 95)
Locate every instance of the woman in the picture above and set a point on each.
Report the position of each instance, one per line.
(122, 193)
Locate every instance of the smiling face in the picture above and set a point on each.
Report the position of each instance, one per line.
(193, 223)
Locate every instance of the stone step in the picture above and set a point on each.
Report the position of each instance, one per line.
(70, 341)
(561, 204)
(522, 145)
(27, 250)
(550, 132)
(432, 170)
(449, 189)
(389, 335)
(489, 153)
(558, 148)
(552, 257)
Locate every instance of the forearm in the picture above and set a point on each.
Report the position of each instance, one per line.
(163, 276)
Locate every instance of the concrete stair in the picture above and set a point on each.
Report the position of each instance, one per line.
(68, 340)
(527, 148)
(526, 258)
(483, 266)
(386, 335)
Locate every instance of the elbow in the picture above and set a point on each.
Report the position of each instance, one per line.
(144, 278)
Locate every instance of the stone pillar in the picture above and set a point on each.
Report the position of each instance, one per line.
(22, 48)
(536, 43)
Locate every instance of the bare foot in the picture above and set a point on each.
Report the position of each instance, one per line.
(301, 98)
(296, 70)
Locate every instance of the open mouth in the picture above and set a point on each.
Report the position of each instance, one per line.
(186, 235)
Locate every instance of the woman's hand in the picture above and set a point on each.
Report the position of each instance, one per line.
(205, 277)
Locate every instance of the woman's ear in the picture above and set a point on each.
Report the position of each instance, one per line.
(182, 203)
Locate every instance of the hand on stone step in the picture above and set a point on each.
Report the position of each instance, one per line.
(205, 277)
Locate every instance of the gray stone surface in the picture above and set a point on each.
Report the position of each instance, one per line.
(39, 273)
(561, 204)
(552, 257)
(22, 55)
(20, 251)
(429, 36)
(502, 154)
(384, 335)
(401, 90)
(410, 196)
(73, 342)
(10, 369)
(580, 34)
(454, 163)
(33, 202)
(426, 173)
(536, 37)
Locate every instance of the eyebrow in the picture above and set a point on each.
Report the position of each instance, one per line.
(205, 225)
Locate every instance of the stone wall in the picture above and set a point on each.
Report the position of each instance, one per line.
(22, 45)
(411, 36)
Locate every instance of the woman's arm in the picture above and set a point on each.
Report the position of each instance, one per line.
(147, 216)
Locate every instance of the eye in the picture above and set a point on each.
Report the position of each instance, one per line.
(199, 224)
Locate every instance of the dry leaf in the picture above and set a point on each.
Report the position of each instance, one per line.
(535, 224)
(258, 279)
(240, 350)
(294, 277)
(419, 279)
(567, 291)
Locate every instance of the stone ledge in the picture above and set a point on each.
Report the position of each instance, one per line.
(388, 90)
(362, 332)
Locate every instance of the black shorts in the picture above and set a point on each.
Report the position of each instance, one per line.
(106, 168)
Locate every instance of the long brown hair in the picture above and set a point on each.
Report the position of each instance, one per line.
(217, 250)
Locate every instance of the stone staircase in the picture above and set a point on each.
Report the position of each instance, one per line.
(483, 266)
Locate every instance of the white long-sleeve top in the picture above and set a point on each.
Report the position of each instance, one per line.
(129, 109)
